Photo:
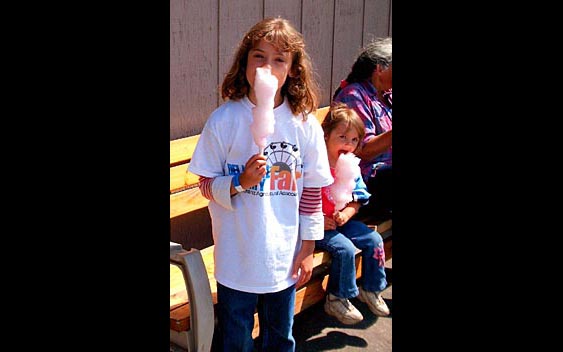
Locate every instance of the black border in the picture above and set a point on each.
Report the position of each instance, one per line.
(93, 271)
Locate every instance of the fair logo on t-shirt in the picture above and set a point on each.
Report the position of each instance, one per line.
(283, 168)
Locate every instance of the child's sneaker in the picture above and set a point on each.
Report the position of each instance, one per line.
(375, 302)
(342, 309)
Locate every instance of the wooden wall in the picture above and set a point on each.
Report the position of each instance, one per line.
(204, 36)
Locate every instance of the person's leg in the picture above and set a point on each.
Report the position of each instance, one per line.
(235, 314)
(342, 276)
(370, 243)
(373, 279)
(275, 314)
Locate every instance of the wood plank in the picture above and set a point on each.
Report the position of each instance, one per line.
(193, 65)
(181, 179)
(178, 293)
(317, 30)
(321, 113)
(311, 293)
(181, 150)
(288, 9)
(381, 227)
(377, 19)
(347, 40)
(235, 19)
(186, 201)
(180, 318)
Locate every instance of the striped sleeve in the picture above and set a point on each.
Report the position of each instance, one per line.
(205, 187)
(311, 201)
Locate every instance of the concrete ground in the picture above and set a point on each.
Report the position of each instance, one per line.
(314, 330)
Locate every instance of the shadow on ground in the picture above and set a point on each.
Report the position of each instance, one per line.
(314, 330)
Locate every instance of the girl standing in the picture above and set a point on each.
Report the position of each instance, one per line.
(265, 207)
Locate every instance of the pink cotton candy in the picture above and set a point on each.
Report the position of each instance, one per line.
(345, 172)
(265, 87)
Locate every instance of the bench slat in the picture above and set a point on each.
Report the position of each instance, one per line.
(321, 113)
(187, 201)
(181, 179)
(181, 150)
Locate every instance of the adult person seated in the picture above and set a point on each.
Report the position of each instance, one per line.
(368, 90)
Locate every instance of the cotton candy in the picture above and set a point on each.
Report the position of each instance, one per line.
(345, 172)
(265, 87)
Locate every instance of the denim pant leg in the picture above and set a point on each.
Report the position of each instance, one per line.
(342, 276)
(275, 314)
(370, 243)
(235, 314)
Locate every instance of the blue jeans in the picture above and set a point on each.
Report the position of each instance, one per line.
(341, 244)
(235, 314)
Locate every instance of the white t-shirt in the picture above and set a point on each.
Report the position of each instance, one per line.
(256, 232)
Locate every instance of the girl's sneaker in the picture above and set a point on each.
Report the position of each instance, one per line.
(375, 302)
(342, 309)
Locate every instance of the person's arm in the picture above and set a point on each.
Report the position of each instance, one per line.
(311, 228)
(343, 216)
(254, 170)
(304, 261)
(376, 145)
(360, 196)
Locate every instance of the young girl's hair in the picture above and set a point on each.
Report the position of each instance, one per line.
(341, 113)
(301, 90)
(378, 52)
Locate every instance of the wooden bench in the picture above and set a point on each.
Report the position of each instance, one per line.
(185, 197)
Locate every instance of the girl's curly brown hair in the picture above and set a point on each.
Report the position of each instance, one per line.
(301, 90)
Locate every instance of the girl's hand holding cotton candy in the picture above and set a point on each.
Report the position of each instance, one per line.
(345, 172)
(265, 87)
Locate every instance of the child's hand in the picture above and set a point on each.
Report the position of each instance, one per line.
(343, 216)
(340, 218)
(254, 171)
(330, 224)
(303, 264)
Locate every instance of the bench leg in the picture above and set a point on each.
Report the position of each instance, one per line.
(202, 318)
(182, 339)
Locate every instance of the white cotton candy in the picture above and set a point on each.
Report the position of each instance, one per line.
(265, 87)
(345, 172)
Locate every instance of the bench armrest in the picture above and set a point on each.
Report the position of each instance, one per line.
(202, 319)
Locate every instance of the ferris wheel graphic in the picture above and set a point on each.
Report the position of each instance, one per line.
(285, 155)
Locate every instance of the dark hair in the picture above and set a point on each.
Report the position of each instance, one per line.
(301, 90)
(377, 52)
